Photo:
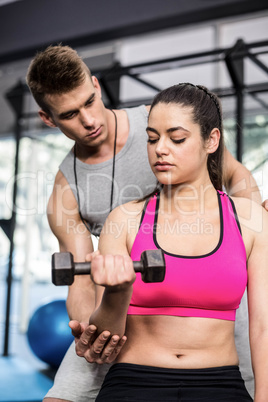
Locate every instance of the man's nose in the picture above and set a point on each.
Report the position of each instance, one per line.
(86, 118)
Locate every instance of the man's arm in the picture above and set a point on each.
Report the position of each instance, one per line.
(258, 301)
(65, 223)
(238, 180)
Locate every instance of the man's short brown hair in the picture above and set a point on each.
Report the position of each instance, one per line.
(56, 70)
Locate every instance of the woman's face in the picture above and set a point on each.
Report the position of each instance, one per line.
(176, 150)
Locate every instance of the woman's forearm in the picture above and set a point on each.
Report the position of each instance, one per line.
(112, 312)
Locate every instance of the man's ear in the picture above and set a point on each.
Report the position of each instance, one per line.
(213, 141)
(47, 119)
(96, 84)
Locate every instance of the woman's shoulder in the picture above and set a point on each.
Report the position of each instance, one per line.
(122, 224)
(127, 211)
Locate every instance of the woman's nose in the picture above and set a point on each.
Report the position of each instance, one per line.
(162, 147)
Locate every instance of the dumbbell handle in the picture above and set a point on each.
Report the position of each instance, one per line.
(84, 268)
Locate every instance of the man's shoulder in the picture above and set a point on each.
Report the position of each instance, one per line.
(67, 160)
(251, 214)
(62, 191)
(137, 110)
(62, 203)
(60, 179)
(148, 107)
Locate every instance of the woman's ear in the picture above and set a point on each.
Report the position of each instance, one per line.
(213, 140)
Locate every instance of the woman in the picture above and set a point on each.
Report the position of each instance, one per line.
(180, 333)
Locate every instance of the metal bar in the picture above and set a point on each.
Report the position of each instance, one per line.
(126, 70)
(11, 248)
(252, 45)
(258, 62)
(108, 92)
(260, 101)
(144, 82)
(239, 124)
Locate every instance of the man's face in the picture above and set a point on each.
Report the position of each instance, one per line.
(79, 114)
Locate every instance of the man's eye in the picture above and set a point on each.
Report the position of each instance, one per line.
(68, 116)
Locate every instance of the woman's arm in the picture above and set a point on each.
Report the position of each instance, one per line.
(115, 274)
(112, 271)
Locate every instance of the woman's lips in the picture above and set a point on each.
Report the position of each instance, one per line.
(162, 166)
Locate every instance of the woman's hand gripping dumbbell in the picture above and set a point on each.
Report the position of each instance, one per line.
(151, 266)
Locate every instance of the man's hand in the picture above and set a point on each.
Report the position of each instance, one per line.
(103, 349)
(265, 204)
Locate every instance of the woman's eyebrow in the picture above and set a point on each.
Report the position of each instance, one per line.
(169, 130)
(178, 128)
(151, 129)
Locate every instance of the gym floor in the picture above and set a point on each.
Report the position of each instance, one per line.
(19, 348)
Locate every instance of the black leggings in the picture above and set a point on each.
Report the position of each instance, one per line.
(132, 383)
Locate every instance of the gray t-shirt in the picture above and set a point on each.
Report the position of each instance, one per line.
(133, 177)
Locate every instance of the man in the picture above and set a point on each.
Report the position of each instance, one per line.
(107, 167)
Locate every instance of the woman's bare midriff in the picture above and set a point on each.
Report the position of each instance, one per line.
(191, 343)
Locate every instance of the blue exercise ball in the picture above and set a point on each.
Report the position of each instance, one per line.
(49, 334)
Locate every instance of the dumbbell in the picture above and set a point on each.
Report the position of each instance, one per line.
(151, 266)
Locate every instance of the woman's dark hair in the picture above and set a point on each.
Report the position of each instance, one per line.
(206, 111)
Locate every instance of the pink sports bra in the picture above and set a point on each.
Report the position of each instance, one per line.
(209, 285)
